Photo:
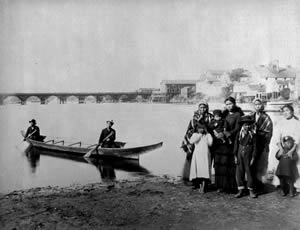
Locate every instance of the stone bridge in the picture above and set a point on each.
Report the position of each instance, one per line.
(44, 98)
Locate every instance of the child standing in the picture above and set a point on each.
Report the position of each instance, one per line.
(287, 171)
(245, 152)
(200, 172)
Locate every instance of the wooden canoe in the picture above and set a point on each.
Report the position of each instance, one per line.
(120, 151)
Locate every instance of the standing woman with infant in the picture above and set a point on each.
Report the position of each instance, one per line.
(223, 152)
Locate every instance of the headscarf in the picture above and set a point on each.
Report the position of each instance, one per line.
(205, 104)
(261, 102)
(202, 118)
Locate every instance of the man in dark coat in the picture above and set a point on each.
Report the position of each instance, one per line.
(107, 136)
(33, 131)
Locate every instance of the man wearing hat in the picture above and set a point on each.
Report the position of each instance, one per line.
(107, 136)
(33, 131)
(245, 153)
(264, 132)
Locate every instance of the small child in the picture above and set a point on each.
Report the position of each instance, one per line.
(200, 172)
(287, 171)
(245, 153)
(218, 124)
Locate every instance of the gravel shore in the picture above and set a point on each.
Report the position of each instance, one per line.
(148, 203)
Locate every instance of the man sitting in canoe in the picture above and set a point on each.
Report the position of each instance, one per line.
(107, 137)
(33, 131)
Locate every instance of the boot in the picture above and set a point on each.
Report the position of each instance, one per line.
(282, 192)
(252, 194)
(239, 194)
(283, 187)
(291, 190)
(220, 190)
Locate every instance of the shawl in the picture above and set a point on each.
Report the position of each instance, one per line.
(197, 119)
(264, 126)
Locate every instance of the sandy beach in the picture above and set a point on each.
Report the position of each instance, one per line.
(149, 203)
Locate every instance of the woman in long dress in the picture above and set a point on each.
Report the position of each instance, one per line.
(200, 171)
(223, 152)
(289, 126)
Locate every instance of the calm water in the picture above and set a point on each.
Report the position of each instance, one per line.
(135, 123)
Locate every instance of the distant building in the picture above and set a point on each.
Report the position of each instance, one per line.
(187, 92)
(279, 81)
(169, 89)
(174, 87)
(245, 92)
(157, 96)
(147, 90)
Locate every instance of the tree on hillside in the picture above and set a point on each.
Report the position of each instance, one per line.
(236, 74)
(227, 90)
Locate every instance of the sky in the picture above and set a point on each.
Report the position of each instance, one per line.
(123, 45)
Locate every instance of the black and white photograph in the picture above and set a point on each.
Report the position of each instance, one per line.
(150, 114)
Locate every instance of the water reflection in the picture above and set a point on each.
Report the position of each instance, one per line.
(105, 166)
(33, 158)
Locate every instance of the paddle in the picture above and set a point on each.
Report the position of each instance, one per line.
(89, 153)
(23, 134)
(25, 144)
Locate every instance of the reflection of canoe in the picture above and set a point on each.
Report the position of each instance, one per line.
(119, 151)
(125, 164)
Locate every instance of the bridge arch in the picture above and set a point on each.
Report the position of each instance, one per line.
(107, 98)
(72, 99)
(123, 98)
(52, 100)
(33, 99)
(90, 99)
(11, 100)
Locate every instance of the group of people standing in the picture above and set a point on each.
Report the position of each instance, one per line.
(237, 146)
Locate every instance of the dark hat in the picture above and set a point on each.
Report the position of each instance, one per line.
(111, 122)
(217, 112)
(32, 121)
(288, 138)
(246, 119)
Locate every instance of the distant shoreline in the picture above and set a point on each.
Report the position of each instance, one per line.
(295, 103)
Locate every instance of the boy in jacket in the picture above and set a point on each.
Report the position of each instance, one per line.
(245, 153)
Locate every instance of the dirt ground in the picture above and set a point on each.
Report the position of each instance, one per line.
(149, 203)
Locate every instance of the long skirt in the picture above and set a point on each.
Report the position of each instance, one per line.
(186, 169)
(224, 167)
(287, 168)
